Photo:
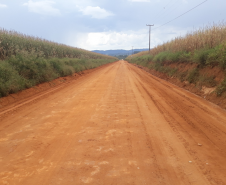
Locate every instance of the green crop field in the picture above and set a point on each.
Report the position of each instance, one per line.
(26, 61)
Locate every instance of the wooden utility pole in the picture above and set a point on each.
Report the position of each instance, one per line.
(149, 36)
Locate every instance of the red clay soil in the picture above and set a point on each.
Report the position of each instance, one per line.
(16, 98)
(116, 125)
(212, 97)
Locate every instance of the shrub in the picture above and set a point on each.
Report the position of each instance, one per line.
(185, 57)
(161, 57)
(217, 56)
(10, 80)
(200, 56)
(173, 57)
(221, 88)
(193, 76)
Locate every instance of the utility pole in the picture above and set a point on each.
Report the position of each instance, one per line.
(132, 50)
(149, 35)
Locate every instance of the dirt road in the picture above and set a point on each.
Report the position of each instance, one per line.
(117, 125)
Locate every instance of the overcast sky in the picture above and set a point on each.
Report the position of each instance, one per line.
(108, 24)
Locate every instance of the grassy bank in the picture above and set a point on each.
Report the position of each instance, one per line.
(27, 61)
(201, 49)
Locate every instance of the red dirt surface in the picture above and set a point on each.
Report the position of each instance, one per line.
(116, 125)
(206, 93)
(15, 99)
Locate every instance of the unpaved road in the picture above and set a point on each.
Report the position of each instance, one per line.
(115, 126)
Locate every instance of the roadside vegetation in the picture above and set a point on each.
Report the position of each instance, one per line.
(205, 47)
(26, 61)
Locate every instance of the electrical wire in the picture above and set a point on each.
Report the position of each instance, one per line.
(180, 15)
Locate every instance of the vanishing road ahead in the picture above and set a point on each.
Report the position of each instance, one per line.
(117, 125)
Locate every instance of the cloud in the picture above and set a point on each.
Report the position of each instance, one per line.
(109, 39)
(140, 1)
(96, 12)
(3, 6)
(121, 39)
(42, 7)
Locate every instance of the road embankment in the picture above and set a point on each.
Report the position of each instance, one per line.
(206, 82)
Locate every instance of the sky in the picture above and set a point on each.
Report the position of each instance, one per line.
(109, 24)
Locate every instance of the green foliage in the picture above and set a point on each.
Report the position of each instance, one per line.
(217, 56)
(161, 57)
(204, 57)
(167, 56)
(10, 80)
(143, 60)
(221, 88)
(173, 57)
(193, 75)
(158, 66)
(184, 57)
(200, 56)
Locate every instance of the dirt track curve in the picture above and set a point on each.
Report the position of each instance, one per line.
(115, 126)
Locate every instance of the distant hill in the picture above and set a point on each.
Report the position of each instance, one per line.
(118, 52)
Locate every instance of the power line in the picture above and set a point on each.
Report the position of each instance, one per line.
(181, 15)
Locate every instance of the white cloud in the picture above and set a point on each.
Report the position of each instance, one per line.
(122, 40)
(111, 39)
(3, 6)
(42, 7)
(140, 1)
(96, 12)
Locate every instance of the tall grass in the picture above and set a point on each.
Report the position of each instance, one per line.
(12, 43)
(203, 38)
(26, 61)
(204, 47)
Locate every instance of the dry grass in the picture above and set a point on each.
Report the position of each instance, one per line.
(205, 47)
(203, 38)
